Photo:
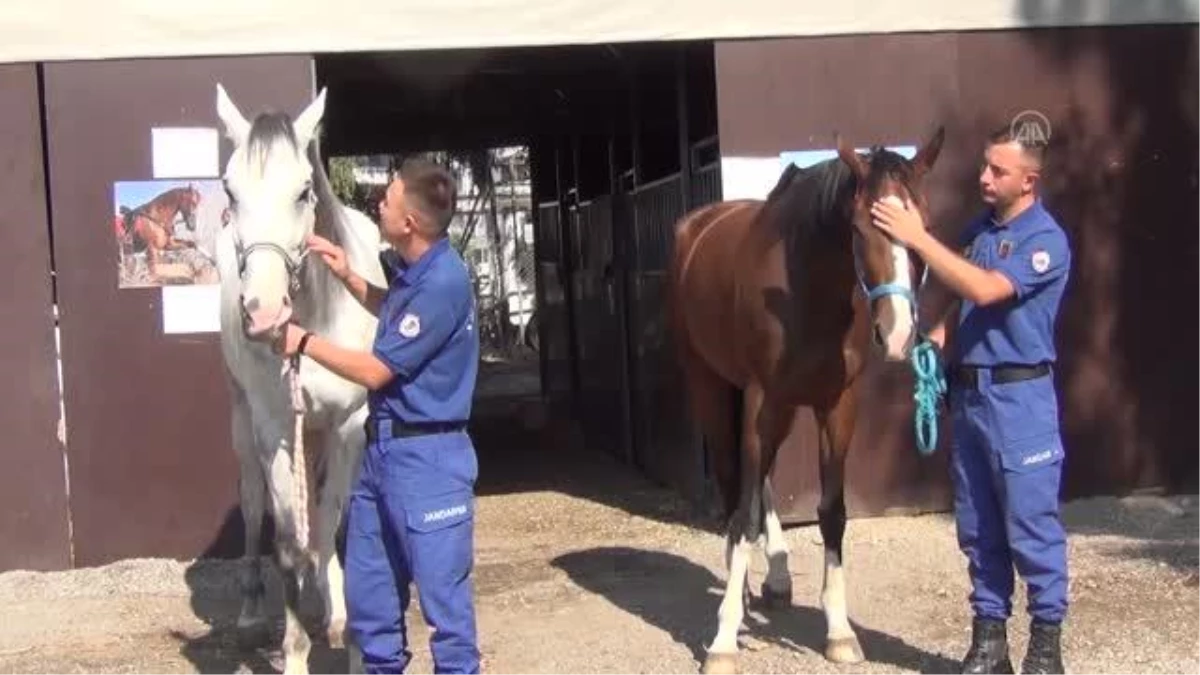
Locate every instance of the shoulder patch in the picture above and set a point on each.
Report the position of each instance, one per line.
(1040, 260)
(1006, 247)
(410, 325)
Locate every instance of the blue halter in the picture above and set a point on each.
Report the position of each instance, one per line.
(890, 288)
(930, 380)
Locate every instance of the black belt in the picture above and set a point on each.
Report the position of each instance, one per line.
(969, 375)
(392, 428)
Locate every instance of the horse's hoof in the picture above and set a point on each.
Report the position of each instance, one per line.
(720, 664)
(776, 598)
(844, 650)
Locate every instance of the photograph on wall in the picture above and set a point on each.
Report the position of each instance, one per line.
(166, 231)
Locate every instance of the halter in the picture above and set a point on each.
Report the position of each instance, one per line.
(929, 379)
(893, 287)
(293, 266)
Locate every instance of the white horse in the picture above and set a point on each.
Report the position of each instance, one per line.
(279, 193)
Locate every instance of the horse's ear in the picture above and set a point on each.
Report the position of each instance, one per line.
(236, 126)
(928, 154)
(849, 157)
(306, 123)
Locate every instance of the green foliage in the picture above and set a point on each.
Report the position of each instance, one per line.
(341, 178)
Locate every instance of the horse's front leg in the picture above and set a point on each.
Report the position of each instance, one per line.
(836, 429)
(252, 490)
(765, 423)
(343, 451)
(156, 241)
(777, 587)
(291, 556)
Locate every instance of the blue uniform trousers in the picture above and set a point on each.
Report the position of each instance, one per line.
(411, 519)
(1007, 465)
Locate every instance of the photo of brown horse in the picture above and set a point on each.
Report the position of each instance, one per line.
(164, 231)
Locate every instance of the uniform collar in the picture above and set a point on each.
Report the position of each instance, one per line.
(411, 274)
(1031, 212)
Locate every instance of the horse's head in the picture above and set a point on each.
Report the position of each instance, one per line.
(189, 203)
(269, 181)
(889, 273)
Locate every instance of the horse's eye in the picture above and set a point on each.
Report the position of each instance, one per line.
(230, 197)
(305, 195)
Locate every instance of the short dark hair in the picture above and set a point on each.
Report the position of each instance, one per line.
(1033, 149)
(432, 190)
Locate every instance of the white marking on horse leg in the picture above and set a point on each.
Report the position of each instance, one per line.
(841, 644)
(833, 598)
(778, 585)
(732, 607)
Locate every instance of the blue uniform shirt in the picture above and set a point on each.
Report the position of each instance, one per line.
(1033, 252)
(427, 337)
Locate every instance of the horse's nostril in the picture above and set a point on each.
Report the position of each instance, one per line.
(287, 302)
(877, 335)
(252, 305)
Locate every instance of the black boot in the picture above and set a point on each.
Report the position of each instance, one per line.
(989, 648)
(1045, 650)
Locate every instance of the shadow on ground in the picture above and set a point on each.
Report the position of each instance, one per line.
(1163, 529)
(682, 597)
(216, 600)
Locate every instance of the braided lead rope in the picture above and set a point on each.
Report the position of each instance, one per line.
(299, 466)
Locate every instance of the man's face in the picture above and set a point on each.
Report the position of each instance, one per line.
(395, 218)
(1006, 174)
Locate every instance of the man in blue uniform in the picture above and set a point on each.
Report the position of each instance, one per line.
(1007, 448)
(411, 510)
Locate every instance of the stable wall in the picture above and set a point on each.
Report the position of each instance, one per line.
(152, 470)
(1122, 179)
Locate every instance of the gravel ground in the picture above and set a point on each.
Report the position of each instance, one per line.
(582, 567)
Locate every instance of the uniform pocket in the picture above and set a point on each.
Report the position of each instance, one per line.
(1032, 453)
(430, 514)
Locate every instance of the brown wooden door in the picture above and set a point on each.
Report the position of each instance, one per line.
(152, 472)
(33, 490)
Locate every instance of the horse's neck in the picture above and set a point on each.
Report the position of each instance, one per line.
(323, 300)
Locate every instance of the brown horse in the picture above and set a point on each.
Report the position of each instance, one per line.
(776, 303)
(151, 226)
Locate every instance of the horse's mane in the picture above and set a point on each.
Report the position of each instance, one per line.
(811, 201)
(883, 164)
(815, 200)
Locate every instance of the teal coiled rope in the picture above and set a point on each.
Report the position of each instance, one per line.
(929, 386)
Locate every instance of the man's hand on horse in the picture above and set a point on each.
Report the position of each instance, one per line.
(288, 343)
(332, 254)
(899, 222)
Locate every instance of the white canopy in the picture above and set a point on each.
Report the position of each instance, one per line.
(49, 30)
